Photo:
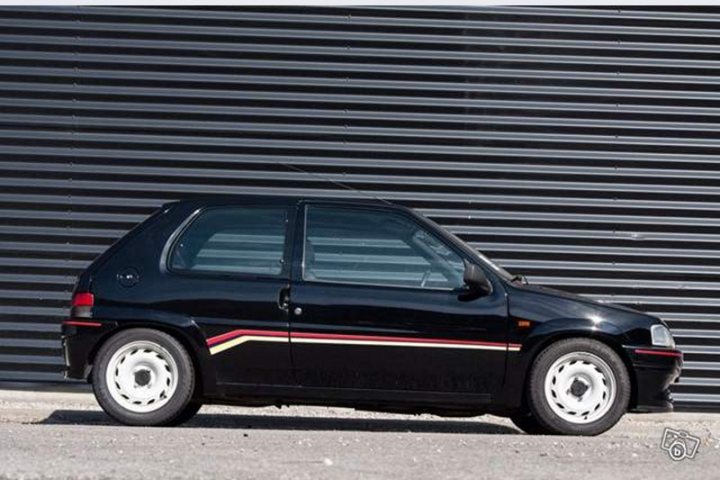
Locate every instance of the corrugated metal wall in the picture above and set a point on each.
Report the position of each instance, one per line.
(579, 146)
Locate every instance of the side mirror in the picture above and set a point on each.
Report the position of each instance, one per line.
(475, 279)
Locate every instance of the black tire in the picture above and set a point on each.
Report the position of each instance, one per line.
(179, 407)
(190, 410)
(528, 424)
(540, 405)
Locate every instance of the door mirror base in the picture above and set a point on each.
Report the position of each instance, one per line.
(475, 279)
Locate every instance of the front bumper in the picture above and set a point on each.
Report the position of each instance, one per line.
(655, 370)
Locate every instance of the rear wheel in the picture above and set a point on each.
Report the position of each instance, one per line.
(145, 377)
(528, 424)
(578, 386)
(189, 412)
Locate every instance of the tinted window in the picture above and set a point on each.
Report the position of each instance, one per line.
(351, 245)
(233, 240)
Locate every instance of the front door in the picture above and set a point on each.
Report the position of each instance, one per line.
(378, 302)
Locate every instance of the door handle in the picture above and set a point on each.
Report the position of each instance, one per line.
(284, 299)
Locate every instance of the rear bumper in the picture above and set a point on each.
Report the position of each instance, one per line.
(80, 339)
(655, 370)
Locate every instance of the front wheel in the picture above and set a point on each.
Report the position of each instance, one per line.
(578, 386)
(145, 377)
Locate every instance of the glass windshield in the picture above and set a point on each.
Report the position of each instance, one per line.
(472, 251)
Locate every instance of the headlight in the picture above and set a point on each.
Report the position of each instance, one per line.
(661, 336)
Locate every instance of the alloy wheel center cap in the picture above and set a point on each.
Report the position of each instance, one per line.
(142, 377)
(579, 387)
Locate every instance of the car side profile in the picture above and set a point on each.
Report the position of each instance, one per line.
(262, 301)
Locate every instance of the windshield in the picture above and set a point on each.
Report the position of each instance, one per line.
(504, 274)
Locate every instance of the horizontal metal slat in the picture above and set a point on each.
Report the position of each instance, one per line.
(406, 18)
(288, 47)
(620, 109)
(30, 376)
(30, 359)
(29, 327)
(696, 333)
(224, 31)
(676, 286)
(424, 88)
(448, 120)
(700, 382)
(29, 343)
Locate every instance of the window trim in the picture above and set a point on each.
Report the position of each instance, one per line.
(303, 237)
(169, 248)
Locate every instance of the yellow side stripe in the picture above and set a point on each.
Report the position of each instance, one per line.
(248, 338)
(257, 338)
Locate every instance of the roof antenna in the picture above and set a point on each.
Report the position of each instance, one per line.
(334, 182)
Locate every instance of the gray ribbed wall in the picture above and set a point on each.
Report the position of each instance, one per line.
(578, 146)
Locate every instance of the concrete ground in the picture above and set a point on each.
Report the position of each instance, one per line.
(65, 435)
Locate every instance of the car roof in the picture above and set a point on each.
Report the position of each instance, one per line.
(212, 200)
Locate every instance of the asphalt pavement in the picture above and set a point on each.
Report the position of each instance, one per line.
(61, 435)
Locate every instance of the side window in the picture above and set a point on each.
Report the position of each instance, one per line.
(233, 240)
(354, 245)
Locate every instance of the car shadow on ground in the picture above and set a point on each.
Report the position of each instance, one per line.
(281, 422)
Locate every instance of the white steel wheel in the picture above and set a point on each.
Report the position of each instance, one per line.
(141, 376)
(580, 387)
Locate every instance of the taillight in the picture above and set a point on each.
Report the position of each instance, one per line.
(82, 304)
(83, 300)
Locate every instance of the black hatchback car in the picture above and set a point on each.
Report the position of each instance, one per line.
(267, 301)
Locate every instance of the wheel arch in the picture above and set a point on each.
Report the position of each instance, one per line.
(607, 339)
(206, 382)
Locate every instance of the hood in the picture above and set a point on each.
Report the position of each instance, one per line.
(579, 298)
(535, 302)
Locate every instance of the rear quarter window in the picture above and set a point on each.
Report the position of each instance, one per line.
(241, 239)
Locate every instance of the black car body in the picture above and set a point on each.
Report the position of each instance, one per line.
(290, 308)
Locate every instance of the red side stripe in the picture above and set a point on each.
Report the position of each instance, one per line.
(76, 323)
(379, 338)
(369, 338)
(240, 333)
(661, 353)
